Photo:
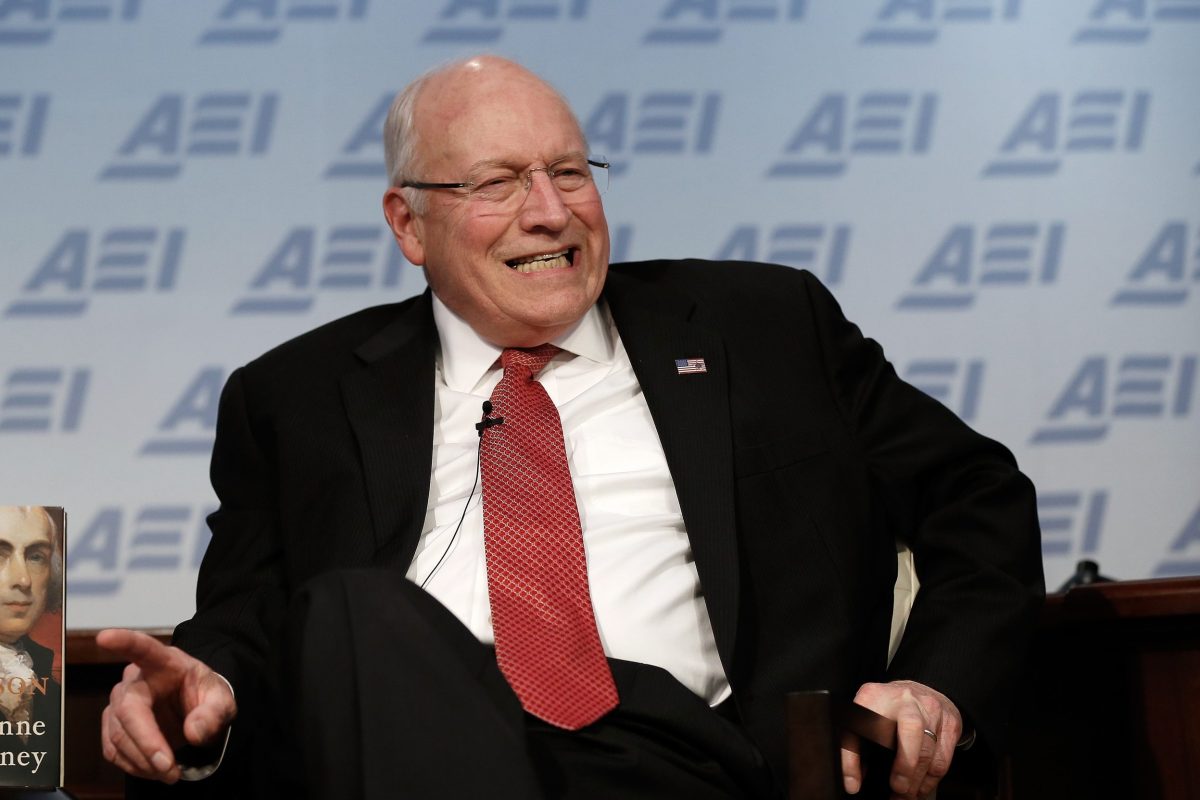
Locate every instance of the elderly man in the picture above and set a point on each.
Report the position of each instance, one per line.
(690, 504)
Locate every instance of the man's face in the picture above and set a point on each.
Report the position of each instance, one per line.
(501, 114)
(25, 551)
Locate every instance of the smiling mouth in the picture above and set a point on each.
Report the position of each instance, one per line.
(560, 260)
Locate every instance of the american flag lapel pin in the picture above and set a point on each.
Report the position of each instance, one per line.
(690, 366)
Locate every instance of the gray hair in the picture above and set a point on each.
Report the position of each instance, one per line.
(400, 138)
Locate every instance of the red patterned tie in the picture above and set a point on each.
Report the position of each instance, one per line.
(547, 645)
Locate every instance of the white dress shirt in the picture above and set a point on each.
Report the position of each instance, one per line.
(644, 585)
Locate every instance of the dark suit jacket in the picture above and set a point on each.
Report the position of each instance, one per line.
(799, 459)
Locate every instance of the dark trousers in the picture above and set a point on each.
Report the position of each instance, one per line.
(391, 696)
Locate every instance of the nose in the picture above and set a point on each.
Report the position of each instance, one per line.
(15, 572)
(544, 206)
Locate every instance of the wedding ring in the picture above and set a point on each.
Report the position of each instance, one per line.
(930, 734)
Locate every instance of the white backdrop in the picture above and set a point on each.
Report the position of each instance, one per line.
(1005, 193)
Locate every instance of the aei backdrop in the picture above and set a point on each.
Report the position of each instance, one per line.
(1005, 193)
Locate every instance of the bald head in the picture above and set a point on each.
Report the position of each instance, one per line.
(432, 102)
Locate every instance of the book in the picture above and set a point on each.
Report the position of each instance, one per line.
(32, 591)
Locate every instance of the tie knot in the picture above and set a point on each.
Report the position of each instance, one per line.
(531, 358)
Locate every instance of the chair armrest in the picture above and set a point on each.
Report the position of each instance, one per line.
(817, 723)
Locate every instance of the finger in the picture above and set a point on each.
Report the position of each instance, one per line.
(121, 763)
(127, 767)
(212, 714)
(948, 736)
(107, 748)
(930, 708)
(135, 733)
(852, 773)
(119, 748)
(943, 754)
(138, 647)
(914, 752)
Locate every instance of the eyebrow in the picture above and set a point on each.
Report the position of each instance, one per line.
(5, 543)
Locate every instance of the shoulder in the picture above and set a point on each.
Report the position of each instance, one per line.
(736, 288)
(341, 336)
(701, 274)
(309, 368)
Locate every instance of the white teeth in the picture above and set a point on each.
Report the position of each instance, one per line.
(558, 260)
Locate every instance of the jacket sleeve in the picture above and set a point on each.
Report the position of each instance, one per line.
(241, 594)
(968, 514)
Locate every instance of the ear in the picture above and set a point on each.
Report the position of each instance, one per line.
(406, 226)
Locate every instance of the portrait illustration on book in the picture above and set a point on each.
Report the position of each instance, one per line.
(31, 636)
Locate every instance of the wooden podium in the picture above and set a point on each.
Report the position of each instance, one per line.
(1110, 702)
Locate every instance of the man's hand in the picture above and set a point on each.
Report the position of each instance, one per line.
(921, 760)
(165, 699)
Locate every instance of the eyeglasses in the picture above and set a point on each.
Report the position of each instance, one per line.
(502, 188)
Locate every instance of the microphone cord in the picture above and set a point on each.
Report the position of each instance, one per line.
(480, 426)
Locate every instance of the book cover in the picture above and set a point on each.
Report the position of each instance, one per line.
(32, 590)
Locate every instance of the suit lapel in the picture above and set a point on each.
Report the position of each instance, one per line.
(390, 405)
(691, 413)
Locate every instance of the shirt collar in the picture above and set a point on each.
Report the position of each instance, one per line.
(466, 357)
